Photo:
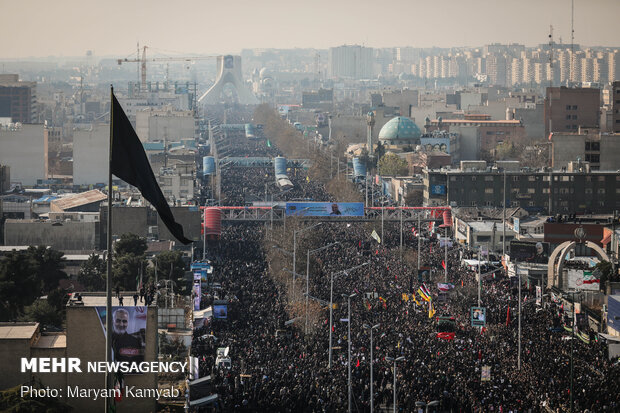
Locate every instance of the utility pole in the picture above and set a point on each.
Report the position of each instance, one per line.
(503, 221)
(519, 355)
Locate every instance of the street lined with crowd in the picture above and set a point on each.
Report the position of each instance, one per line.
(290, 371)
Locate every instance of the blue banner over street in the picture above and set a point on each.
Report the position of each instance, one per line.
(325, 209)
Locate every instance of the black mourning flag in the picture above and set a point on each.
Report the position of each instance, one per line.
(129, 163)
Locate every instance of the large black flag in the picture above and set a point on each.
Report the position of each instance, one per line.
(129, 163)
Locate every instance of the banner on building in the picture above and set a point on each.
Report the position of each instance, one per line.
(128, 332)
(534, 252)
(584, 279)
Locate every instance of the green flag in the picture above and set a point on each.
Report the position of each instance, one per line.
(268, 143)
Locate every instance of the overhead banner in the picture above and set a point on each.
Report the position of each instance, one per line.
(534, 252)
(584, 280)
(325, 209)
(128, 332)
(478, 316)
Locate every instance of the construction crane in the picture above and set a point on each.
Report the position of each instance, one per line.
(143, 61)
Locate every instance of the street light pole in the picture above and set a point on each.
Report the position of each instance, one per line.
(445, 270)
(479, 276)
(519, 355)
(401, 232)
(372, 394)
(295, 249)
(331, 305)
(331, 315)
(308, 276)
(401, 358)
(348, 297)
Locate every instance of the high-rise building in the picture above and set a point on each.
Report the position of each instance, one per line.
(496, 69)
(18, 99)
(353, 62)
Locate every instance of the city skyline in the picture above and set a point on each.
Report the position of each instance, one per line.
(113, 28)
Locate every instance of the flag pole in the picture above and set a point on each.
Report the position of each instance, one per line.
(108, 306)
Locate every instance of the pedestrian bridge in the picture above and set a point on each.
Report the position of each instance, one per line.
(276, 213)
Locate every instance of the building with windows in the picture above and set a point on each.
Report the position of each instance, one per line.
(615, 107)
(18, 99)
(574, 190)
(600, 150)
(567, 109)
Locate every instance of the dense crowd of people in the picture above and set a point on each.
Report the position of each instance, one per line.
(290, 373)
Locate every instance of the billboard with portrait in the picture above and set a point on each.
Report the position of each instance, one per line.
(436, 144)
(325, 209)
(128, 332)
(478, 316)
(534, 252)
(220, 310)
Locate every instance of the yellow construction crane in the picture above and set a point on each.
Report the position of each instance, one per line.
(143, 61)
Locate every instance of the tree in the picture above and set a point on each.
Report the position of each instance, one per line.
(49, 264)
(126, 270)
(170, 265)
(130, 244)
(92, 273)
(18, 285)
(44, 313)
(606, 270)
(128, 261)
(392, 165)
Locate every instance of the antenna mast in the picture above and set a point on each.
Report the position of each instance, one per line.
(551, 56)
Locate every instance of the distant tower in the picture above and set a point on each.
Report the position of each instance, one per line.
(370, 121)
(229, 72)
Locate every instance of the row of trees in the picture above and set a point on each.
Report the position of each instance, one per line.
(129, 262)
(27, 275)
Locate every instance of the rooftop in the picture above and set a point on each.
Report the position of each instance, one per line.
(77, 200)
(23, 331)
(98, 299)
(52, 340)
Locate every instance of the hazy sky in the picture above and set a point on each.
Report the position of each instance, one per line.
(113, 27)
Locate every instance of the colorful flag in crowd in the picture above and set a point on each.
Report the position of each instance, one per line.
(405, 297)
(444, 287)
(424, 295)
(431, 310)
(268, 143)
(414, 231)
(383, 302)
(415, 300)
(443, 264)
(508, 316)
(376, 236)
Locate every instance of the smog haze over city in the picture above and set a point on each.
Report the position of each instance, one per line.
(112, 28)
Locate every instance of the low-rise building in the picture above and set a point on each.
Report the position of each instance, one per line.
(572, 191)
